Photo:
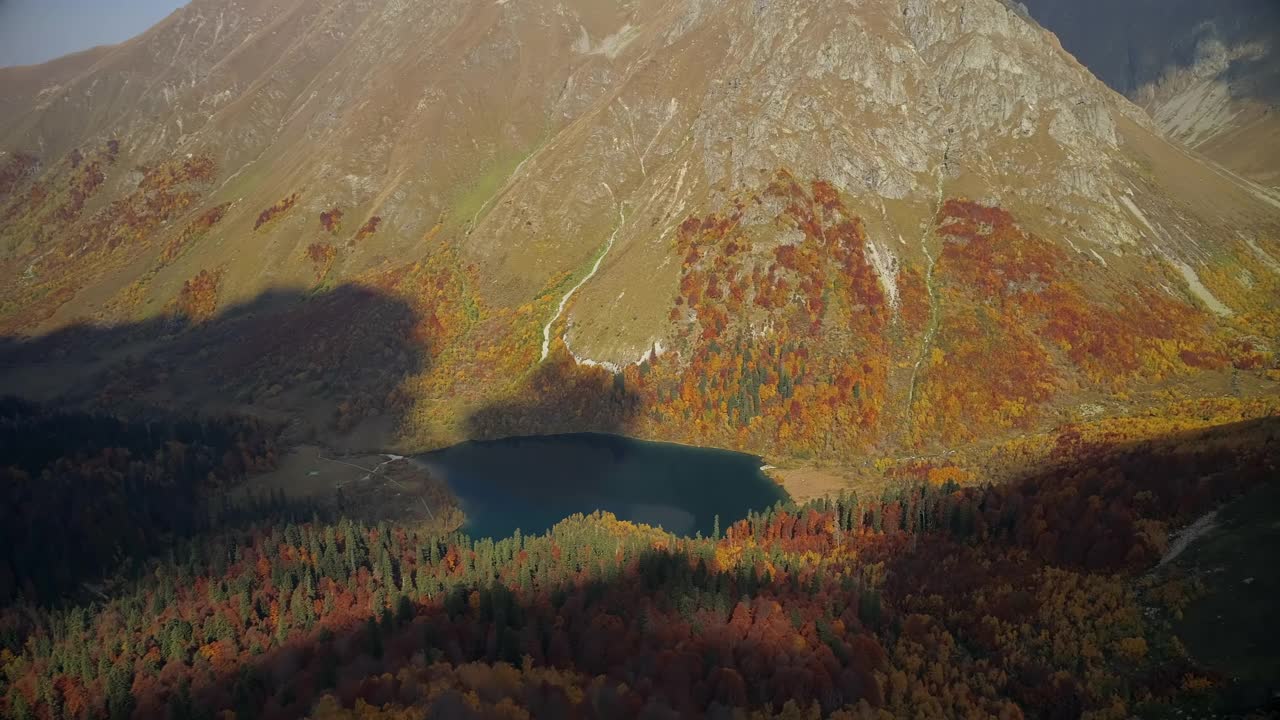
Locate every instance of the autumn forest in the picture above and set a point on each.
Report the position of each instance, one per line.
(931, 599)
(1018, 438)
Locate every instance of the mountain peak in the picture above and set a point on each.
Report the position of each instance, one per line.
(619, 185)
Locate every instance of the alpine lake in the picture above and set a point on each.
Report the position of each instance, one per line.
(532, 483)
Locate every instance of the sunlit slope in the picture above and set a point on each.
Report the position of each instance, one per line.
(803, 228)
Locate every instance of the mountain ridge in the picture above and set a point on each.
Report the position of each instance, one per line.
(1208, 74)
(684, 195)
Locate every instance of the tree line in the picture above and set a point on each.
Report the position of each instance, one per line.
(927, 600)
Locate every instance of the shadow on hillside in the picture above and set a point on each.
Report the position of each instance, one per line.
(144, 428)
(574, 625)
(1257, 78)
(657, 623)
(325, 363)
(560, 397)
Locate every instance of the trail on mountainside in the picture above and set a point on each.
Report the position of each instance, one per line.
(564, 301)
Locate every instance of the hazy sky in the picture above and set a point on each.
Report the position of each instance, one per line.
(32, 31)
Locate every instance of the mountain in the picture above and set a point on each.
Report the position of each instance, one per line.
(1013, 343)
(808, 229)
(1208, 73)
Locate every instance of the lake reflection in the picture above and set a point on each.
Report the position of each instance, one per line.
(534, 482)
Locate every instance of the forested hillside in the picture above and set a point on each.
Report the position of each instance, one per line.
(80, 494)
(1022, 599)
(1000, 334)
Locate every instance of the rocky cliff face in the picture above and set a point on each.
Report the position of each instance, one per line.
(1209, 73)
(810, 227)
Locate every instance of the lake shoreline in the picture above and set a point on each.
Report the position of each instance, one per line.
(533, 482)
(798, 483)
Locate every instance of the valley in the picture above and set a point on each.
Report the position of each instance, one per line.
(1030, 595)
(642, 359)
(1207, 73)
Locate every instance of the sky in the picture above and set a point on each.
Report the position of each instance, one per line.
(33, 31)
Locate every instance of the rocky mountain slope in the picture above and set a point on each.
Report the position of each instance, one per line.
(803, 228)
(1209, 73)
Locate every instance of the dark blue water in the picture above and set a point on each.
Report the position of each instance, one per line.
(534, 482)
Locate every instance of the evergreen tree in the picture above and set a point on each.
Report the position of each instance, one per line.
(120, 700)
(179, 706)
(18, 706)
(404, 610)
(373, 633)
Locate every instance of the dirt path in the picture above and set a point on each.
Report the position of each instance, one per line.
(1204, 525)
